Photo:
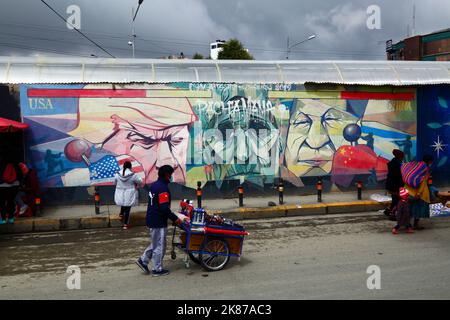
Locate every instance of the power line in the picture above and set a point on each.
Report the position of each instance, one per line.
(19, 46)
(76, 29)
(195, 43)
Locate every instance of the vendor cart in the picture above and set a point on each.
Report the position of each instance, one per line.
(209, 241)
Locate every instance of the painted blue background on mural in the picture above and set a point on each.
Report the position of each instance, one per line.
(434, 129)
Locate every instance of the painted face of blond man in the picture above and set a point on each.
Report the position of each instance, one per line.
(155, 131)
(315, 132)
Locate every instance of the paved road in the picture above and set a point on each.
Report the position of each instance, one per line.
(293, 258)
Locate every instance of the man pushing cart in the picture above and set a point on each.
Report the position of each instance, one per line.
(208, 240)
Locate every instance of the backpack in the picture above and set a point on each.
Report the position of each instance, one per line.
(9, 174)
(413, 173)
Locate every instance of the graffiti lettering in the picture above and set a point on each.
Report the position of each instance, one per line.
(40, 103)
(229, 86)
(243, 107)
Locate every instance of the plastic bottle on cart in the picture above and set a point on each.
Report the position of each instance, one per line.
(199, 217)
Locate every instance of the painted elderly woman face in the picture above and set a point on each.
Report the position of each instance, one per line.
(315, 132)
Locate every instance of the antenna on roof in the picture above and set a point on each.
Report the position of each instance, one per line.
(414, 20)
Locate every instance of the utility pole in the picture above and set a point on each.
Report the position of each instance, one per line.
(133, 33)
(287, 49)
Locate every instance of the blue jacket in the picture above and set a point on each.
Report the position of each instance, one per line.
(158, 209)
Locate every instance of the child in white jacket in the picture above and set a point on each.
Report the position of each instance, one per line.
(126, 195)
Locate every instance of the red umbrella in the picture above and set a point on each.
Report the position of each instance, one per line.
(7, 125)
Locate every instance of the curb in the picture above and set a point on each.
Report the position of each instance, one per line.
(138, 218)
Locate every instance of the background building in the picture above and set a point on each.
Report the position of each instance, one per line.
(216, 47)
(431, 47)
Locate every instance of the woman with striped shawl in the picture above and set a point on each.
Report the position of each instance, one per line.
(415, 175)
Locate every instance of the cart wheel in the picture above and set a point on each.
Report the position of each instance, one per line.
(173, 255)
(194, 257)
(215, 254)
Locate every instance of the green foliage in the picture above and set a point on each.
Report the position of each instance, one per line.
(233, 49)
(197, 56)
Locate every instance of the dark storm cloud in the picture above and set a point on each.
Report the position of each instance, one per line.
(166, 27)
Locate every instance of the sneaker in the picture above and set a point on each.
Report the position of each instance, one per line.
(394, 231)
(160, 273)
(2, 222)
(409, 230)
(23, 209)
(141, 265)
(11, 221)
(125, 227)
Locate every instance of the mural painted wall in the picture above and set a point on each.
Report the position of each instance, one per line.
(434, 129)
(81, 134)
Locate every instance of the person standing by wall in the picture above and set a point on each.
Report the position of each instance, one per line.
(403, 212)
(10, 177)
(158, 212)
(416, 182)
(394, 180)
(126, 195)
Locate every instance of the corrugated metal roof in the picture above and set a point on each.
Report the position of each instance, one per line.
(16, 70)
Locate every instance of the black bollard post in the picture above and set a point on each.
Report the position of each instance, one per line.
(241, 196)
(319, 189)
(97, 201)
(359, 187)
(280, 191)
(38, 207)
(199, 194)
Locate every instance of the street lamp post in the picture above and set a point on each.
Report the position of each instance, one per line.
(133, 33)
(288, 47)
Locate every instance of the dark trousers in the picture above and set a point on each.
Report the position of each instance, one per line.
(125, 211)
(395, 199)
(398, 226)
(7, 201)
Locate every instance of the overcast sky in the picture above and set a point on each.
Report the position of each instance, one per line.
(165, 27)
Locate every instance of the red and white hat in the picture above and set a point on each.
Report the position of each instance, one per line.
(403, 193)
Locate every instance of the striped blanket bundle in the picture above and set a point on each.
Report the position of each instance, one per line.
(413, 173)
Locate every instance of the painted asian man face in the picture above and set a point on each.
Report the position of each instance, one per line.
(315, 132)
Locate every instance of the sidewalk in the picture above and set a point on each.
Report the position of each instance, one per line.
(62, 218)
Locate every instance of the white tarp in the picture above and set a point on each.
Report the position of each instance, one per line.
(16, 70)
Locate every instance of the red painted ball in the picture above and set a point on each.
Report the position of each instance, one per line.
(76, 148)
